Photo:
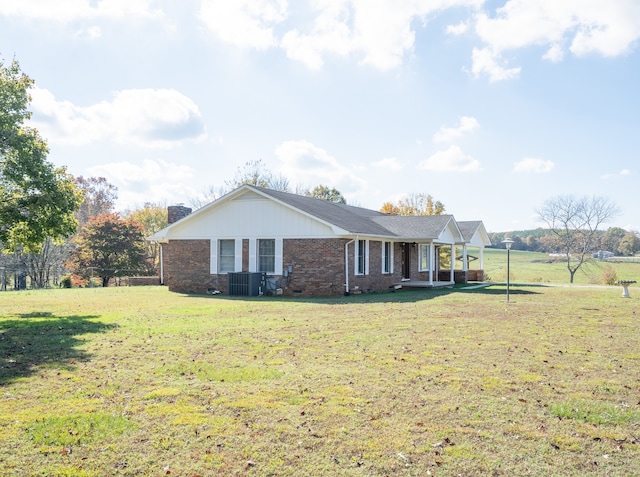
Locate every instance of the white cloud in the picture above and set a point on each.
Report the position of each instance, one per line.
(458, 29)
(486, 61)
(303, 162)
(72, 10)
(533, 165)
(450, 160)
(150, 181)
(389, 163)
(608, 28)
(145, 117)
(622, 173)
(91, 33)
(554, 54)
(379, 33)
(244, 23)
(446, 134)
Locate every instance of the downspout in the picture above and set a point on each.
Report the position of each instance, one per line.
(346, 266)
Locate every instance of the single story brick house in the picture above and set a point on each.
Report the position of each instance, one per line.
(303, 246)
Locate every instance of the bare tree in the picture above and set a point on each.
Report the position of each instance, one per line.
(99, 198)
(206, 196)
(45, 267)
(258, 174)
(575, 221)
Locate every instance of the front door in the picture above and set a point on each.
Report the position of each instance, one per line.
(406, 261)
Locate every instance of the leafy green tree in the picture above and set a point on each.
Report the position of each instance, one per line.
(629, 244)
(37, 200)
(611, 239)
(108, 246)
(328, 194)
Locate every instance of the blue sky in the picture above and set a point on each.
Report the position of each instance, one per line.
(491, 107)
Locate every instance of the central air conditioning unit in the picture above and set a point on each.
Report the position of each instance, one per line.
(246, 283)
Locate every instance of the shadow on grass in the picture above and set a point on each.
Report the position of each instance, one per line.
(42, 339)
(499, 290)
(407, 295)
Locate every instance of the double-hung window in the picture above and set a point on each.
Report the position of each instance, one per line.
(226, 256)
(266, 255)
(423, 250)
(362, 259)
(387, 257)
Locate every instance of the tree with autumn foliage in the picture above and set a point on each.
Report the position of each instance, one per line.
(152, 218)
(108, 246)
(414, 204)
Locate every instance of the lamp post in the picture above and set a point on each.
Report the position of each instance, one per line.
(507, 243)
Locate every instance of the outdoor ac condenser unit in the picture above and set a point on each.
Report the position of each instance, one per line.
(245, 283)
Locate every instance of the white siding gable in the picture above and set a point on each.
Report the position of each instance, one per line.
(251, 216)
(450, 234)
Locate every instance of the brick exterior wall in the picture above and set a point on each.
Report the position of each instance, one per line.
(187, 266)
(375, 281)
(317, 267)
(177, 212)
(245, 255)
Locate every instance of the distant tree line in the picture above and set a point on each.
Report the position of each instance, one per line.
(621, 242)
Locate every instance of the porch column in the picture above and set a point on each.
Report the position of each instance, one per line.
(453, 262)
(432, 262)
(465, 260)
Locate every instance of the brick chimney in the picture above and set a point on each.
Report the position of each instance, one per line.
(177, 212)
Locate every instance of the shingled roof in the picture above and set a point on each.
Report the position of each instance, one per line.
(358, 220)
(347, 219)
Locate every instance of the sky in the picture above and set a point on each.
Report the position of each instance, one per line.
(491, 107)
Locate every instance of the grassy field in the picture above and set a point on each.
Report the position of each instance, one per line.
(532, 267)
(140, 381)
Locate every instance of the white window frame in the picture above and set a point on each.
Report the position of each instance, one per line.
(258, 257)
(215, 256)
(424, 255)
(253, 255)
(233, 268)
(361, 250)
(387, 258)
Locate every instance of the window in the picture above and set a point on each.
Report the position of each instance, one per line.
(266, 255)
(387, 257)
(226, 256)
(361, 257)
(424, 257)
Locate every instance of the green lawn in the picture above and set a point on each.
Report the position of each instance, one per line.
(532, 267)
(140, 381)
